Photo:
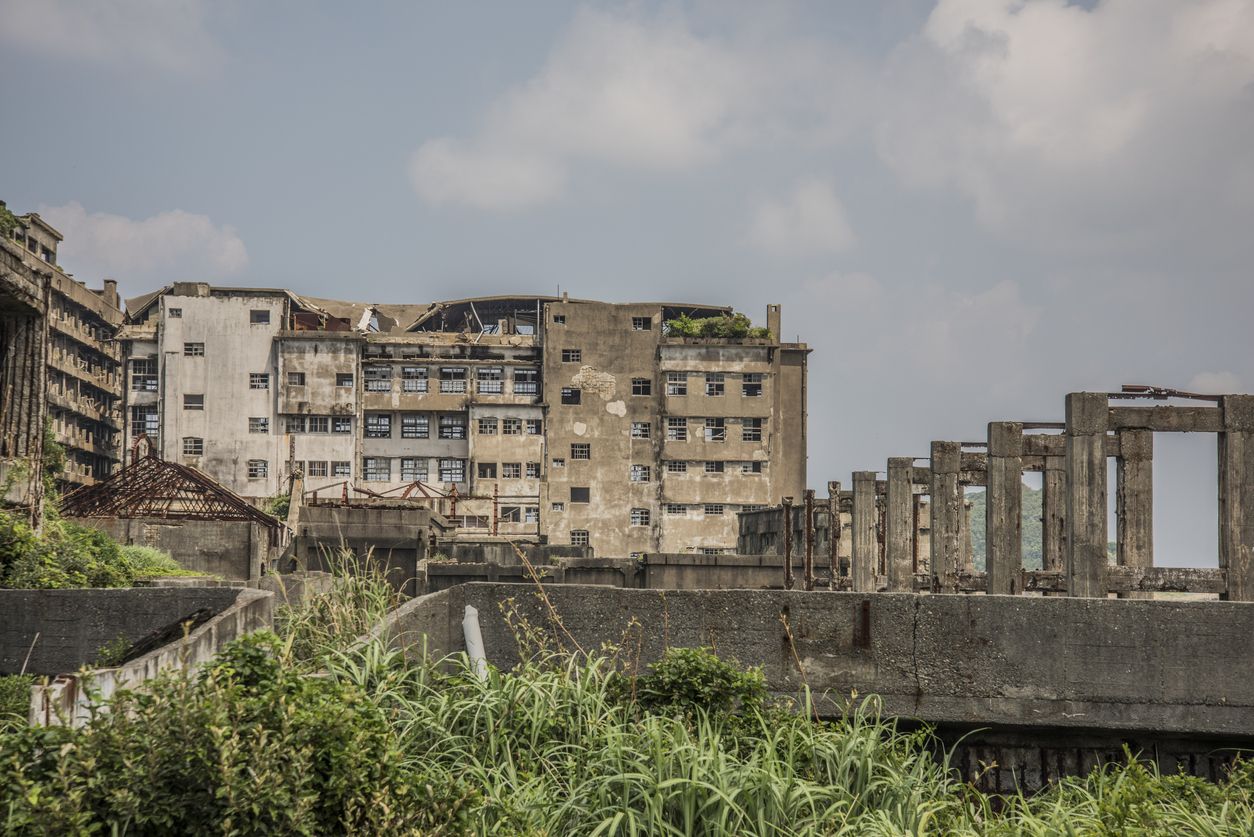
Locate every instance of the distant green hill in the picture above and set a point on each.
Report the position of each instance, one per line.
(1032, 513)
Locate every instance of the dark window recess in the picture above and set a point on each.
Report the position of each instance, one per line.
(259, 316)
(580, 494)
(570, 395)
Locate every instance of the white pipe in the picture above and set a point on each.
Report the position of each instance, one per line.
(474, 642)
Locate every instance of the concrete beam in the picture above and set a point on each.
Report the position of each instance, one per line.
(864, 553)
(899, 525)
(1004, 502)
(1236, 495)
(1087, 417)
(947, 514)
(1134, 502)
(1166, 419)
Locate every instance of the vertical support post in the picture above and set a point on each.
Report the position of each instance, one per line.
(1003, 533)
(1134, 502)
(496, 507)
(947, 513)
(864, 553)
(833, 532)
(899, 520)
(1088, 416)
(808, 568)
(968, 547)
(1054, 513)
(1236, 496)
(787, 506)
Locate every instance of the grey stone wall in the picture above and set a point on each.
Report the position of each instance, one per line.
(233, 549)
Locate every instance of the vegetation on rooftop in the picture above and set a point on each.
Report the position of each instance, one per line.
(735, 325)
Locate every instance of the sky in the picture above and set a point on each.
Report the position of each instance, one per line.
(967, 208)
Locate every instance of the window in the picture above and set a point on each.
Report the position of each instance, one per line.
(413, 469)
(294, 424)
(317, 469)
(751, 430)
(415, 426)
(143, 375)
(714, 383)
(414, 378)
(578, 537)
(341, 469)
(319, 424)
(295, 379)
(144, 421)
(533, 470)
(713, 509)
(453, 427)
(511, 514)
(676, 383)
(452, 379)
(716, 430)
(376, 469)
(259, 424)
(258, 469)
(754, 467)
(343, 379)
(258, 380)
(259, 316)
(511, 427)
(526, 381)
(572, 355)
(193, 350)
(675, 509)
(485, 470)
(641, 323)
(676, 429)
(558, 507)
(639, 517)
(641, 430)
(715, 467)
(712, 550)
(452, 470)
(491, 380)
(676, 466)
(193, 446)
(751, 385)
(487, 427)
(473, 521)
(752, 507)
(341, 424)
(641, 386)
(193, 402)
(581, 450)
(580, 494)
(534, 427)
(639, 473)
(570, 395)
(559, 319)
(378, 378)
(559, 463)
(511, 470)
(175, 312)
(378, 425)
(531, 514)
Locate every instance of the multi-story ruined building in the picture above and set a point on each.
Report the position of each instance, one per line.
(82, 380)
(576, 421)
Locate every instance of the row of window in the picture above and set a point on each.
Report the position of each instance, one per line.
(412, 469)
(508, 514)
(489, 380)
(715, 383)
(322, 468)
(507, 470)
(487, 426)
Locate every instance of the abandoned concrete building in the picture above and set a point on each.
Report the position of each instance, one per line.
(542, 418)
(82, 380)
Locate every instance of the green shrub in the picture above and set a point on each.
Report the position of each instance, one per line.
(14, 701)
(696, 680)
(735, 325)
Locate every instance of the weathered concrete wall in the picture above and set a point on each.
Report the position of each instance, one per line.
(501, 552)
(1179, 668)
(62, 630)
(396, 538)
(232, 549)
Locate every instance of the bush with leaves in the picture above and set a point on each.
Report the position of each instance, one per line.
(735, 325)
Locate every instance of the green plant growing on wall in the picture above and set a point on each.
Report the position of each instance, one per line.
(8, 222)
(278, 505)
(735, 325)
(113, 652)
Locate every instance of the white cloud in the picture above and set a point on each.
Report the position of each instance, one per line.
(443, 172)
(174, 245)
(166, 35)
(810, 220)
(1215, 383)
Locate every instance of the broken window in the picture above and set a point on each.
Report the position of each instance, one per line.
(487, 427)
(751, 430)
(675, 509)
(414, 378)
(485, 470)
(193, 446)
(341, 469)
(295, 379)
(641, 323)
(193, 402)
(559, 506)
(676, 383)
(526, 381)
(754, 467)
(641, 386)
(751, 385)
(715, 467)
(376, 469)
(531, 514)
(258, 469)
(144, 375)
(259, 316)
(343, 379)
(341, 424)
(570, 395)
(378, 425)
(572, 355)
(714, 384)
(533, 470)
(259, 424)
(294, 424)
(639, 517)
(580, 494)
(676, 466)
(258, 380)
(319, 424)
(452, 470)
(511, 470)
(193, 350)
(581, 450)
(378, 378)
(413, 469)
(511, 427)
(716, 430)
(473, 521)
(176, 313)
(712, 550)
(415, 426)
(453, 426)
(559, 319)
(511, 514)
(491, 380)
(578, 537)
(713, 509)
(559, 463)
(639, 473)
(317, 469)
(452, 379)
(534, 427)
(676, 429)
(144, 421)
(641, 430)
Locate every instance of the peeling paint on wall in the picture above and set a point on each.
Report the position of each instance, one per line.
(591, 379)
(617, 408)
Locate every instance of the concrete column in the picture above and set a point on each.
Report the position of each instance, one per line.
(947, 513)
(1003, 532)
(833, 532)
(808, 575)
(1088, 414)
(787, 509)
(899, 525)
(968, 548)
(1134, 502)
(1054, 513)
(865, 547)
(1236, 496)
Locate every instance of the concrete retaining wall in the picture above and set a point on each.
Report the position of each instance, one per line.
(232, 549)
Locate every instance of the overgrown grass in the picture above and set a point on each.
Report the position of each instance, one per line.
(14, 701)
(311, 732)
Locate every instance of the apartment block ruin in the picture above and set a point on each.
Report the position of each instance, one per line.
(535, 418)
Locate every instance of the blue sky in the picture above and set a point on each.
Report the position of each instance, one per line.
(967, 208)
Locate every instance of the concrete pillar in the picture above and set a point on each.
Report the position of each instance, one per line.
(1054, 513)
(968, 547)
(1134, 502)
(947, 513)
(865, 546)
(1088, 414)
(1236, 496)
(1003, 532)
(787, 509)
(899, 525)
(833, 532)
(808, 573)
